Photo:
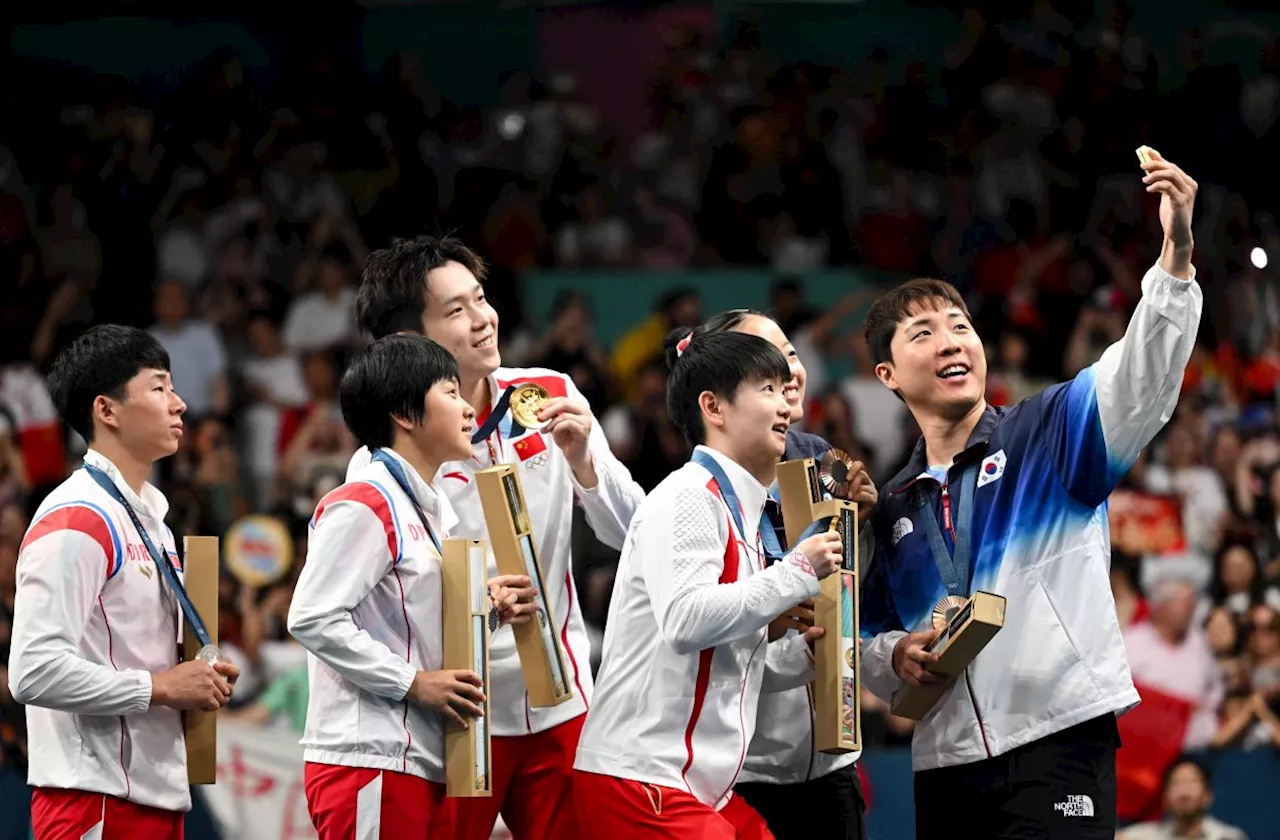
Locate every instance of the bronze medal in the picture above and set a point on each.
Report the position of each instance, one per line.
(946, 609)
(836, 473)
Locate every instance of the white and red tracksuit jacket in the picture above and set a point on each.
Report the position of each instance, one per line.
(550, 490)
(367, 608)
(685, 650)
(93, 619)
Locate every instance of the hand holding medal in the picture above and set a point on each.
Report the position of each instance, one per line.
(567, 420)
(845, 478)
(526, 404)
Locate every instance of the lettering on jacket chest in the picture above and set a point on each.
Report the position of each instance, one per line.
(417, 533)
(138, 561)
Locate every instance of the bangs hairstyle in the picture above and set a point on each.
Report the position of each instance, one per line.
(391, 378)
(100, 363)
(911, 298)
(393, 288)
(719, 362)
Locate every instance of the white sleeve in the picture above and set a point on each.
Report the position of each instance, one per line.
(60, 576)
(681, 552)
(294, 334)
(217, 360)
(609, 505)
(347, 555)
(1096, 424)
(788, 664)
(877, 664)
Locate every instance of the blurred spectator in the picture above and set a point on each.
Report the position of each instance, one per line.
(13, 746)
(32, 424)
(597, 239)
(1131, 606)
(181, 252)
(69, 249)
(641, 433)
(834, 420)
(1251, 714)
(196, 355)
(1096, 328)
(1237, 581)
(643, 344)
(1197, 487)
(1169, 653)
(285, 698)
(326, 317)
(274, 383)
(15, 483)
(663, 235)
(570, 347)
(1188, 796)
(1008, 380)
(881, 415)
(316, 445)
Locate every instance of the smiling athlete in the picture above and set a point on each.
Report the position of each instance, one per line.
(432, 286)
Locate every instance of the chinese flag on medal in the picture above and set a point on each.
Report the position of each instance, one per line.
(531, 447)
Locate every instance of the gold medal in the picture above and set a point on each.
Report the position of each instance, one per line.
(525, 403)
(836, 472)
(946, 609)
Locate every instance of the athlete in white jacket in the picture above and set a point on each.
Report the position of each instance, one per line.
(686, 654)
(94, 653)
(368, 606)
(432, 286)
(1013, 501)
(784, 773)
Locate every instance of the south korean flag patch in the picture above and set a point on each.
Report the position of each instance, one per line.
(992, 468)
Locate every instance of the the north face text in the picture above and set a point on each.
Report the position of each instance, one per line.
(1075, 806)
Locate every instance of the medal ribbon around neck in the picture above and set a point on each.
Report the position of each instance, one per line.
(954, 567)
(402, 478)
(768, 536)
(522, 403)
(209, 652)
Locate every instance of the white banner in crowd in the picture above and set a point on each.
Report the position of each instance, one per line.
(260, 793)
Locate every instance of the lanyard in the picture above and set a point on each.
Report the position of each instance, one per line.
(166, 568)
(397, 472)
(495, 417)
(768, 536)
(954, 567)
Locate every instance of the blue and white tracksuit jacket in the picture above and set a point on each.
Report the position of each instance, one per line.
(1040, 539)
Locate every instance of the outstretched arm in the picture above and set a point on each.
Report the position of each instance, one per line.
(1096, 424)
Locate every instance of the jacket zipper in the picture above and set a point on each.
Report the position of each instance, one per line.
(950, 526)
(741, 699)
(977, 713)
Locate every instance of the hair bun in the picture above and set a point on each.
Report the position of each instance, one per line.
(675, 344)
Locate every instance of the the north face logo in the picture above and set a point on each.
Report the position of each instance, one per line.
(900, 529)
(1075, 806)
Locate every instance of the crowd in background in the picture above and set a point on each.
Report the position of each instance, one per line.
(234, 222)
